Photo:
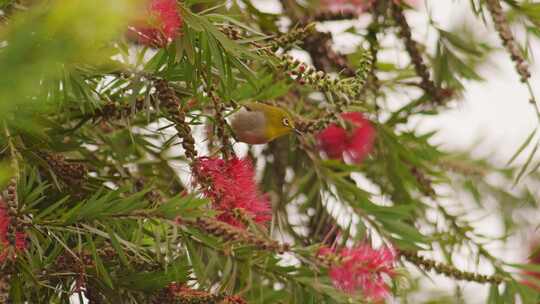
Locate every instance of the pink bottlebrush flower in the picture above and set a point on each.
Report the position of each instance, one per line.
(231, 184)
(534, 258)
(413, 3)
(4, 224)
(161, 24)
(364, 268)
(355, 144)
(324, 251)
(355, 6)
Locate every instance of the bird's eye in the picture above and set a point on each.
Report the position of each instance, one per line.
(285, 122)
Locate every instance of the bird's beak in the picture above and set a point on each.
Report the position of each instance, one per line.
(298, 131)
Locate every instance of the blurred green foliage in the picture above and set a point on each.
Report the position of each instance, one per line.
(43, 44)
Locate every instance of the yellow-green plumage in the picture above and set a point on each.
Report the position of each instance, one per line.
(260, 123)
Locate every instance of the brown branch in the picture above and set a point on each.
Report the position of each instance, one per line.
(463, 167)
(181, 293)
(221, 125)
(319, 46)
(424, 182)
(322, 16)
(373, 82)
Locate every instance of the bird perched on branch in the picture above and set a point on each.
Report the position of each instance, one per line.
(259, 123)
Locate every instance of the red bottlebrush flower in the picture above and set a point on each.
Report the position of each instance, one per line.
(6, 248)
(231, 184)
(20, 240)
(354, 144)
(161, 25)
(364, 268)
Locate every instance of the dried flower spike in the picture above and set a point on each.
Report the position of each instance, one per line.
(168, 98)
(228, 232)
(416, 57)
(73, 174)
(449, 270)
(294, 35)
(4, 288)
(181, 293)
(501, 25)
(324, 57)
(318, 79)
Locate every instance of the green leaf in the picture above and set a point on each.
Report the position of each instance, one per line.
(405, 231)
(494, 297)
(102, 272)
(526, 165)
(6, 172)
(526, 267)
(117, 247)
(196, 262)
(524, 145)
(149, 281)
(51, 209)
(188, 206)
(51, 37)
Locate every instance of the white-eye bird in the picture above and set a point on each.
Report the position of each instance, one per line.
(258, 123)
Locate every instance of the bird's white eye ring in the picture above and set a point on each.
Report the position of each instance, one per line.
(285, 122)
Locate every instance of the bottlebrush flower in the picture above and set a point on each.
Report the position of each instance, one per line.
(6, 248)
(4, 224)
(230, 184)
(324, 251)
(364, 269)
(534, 258)
(355, 6)
(338, 6)
(161, 24)
(354, 144)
